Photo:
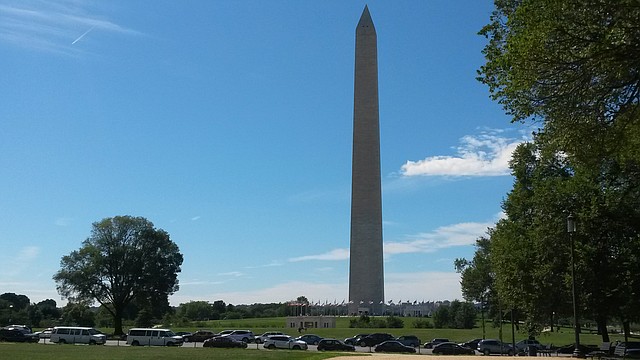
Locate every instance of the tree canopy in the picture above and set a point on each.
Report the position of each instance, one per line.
(571, 67)
(571, 64)
(124, 260)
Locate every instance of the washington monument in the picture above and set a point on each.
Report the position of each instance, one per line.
(366, 275)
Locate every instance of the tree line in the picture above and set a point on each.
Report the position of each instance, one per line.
(568, 67)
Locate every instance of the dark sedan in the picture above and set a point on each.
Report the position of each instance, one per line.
(375, 339)
(224, 342)
(354, 340)
(15, 335)
(334, 345)
(199, 336)
(394, 346)
(449, 348)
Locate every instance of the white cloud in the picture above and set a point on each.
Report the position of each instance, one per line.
(52, 27)
(436, 286)
(487, 154)
(196, 218)
(461, 234)
(271, 264)
(232, 274)
(336, 254)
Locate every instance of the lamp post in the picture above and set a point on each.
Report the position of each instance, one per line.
(10, 313)
(571, 228)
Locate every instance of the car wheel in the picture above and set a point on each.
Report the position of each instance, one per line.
(487, 352)
(271, 346)
(245, 340)
(363, 344)
(61, 341)
(296, 347)
(135, 343)
(258, 341)
(510, 352)
(92, 342)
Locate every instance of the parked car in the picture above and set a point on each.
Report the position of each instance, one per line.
(375, 339)
(525, 344)
(242, 335)
(199, 336)
(624, 348)
(492, 346)
(77, 335)
(409, 340)
(632, 354)
(434, 342)
(355, 339)
(45, 334)
(568, 349)
(284, 342)
(224, 342)
(152, 337)
(471, 344)
(334, 345)
(450, 348)
(311, 339)
(24, 328)
(16, 335)
(260, 339)
(394, 346)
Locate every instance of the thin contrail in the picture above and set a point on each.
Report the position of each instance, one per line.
(81, 36)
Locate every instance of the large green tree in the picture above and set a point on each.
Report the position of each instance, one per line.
(573, 65)
(125, 260)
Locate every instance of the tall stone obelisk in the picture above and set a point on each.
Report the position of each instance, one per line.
(366, 274)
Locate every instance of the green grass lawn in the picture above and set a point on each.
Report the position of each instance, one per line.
(85, 352)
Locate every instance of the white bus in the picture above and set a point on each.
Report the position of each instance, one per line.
(153, 337)
(77, 335)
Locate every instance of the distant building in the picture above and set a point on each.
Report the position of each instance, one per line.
(311, 322)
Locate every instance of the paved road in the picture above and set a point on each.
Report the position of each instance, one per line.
(359, 349)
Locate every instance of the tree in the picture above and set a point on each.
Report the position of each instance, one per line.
(477, 277)
(196, 310)
(125, 260)
(19, 302)
(571, 64)
(78, 314)
(441, 317)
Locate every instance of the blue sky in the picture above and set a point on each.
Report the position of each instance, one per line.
(229, 125)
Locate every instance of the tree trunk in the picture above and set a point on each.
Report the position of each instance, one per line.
(602, 329)
(117, 322)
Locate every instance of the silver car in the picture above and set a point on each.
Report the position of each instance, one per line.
(284, 342)
(492, 346)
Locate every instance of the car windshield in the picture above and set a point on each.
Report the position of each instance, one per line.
(170, 333)
(94, 332)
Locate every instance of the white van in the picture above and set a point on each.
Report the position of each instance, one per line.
(151, 337)
(77, 335)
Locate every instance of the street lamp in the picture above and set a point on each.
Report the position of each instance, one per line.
(571, 228)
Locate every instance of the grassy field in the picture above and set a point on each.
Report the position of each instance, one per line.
(84, 352)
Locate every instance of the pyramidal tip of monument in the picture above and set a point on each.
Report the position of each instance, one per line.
(365, 18)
